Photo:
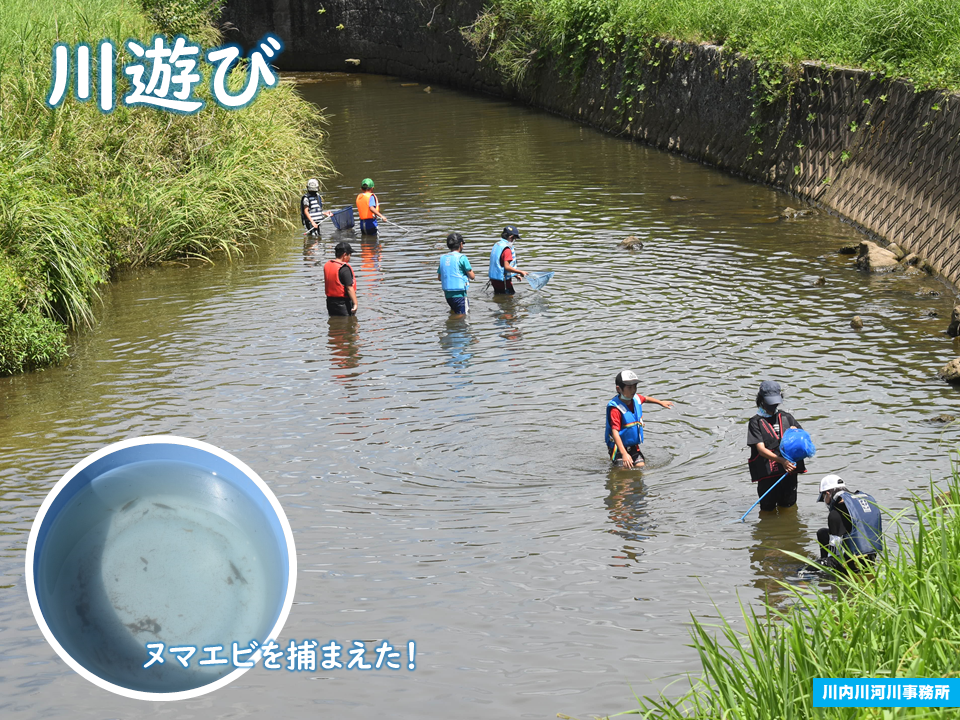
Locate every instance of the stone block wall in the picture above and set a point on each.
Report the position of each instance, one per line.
(873, 151)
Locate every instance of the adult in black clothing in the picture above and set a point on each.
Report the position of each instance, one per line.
(340, 284)
(854, 529)
(764, 432)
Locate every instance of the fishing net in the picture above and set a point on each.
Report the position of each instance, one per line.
(343, 219)
(537, 280)
(796, 445)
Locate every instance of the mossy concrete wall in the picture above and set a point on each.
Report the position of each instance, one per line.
(873, 151)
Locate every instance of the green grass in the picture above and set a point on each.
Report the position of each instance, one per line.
(83, 194)
(916, 39)
(903, 621)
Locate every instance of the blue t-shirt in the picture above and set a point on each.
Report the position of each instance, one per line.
(464, 268)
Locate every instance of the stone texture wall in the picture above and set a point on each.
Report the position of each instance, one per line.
(873, 151)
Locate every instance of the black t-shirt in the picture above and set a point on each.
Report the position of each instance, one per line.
(769, 431)
(838, 521)
(346, 276)
(757, 433)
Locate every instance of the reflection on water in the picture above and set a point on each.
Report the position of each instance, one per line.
(626, 503)
(446, 479)
(456, 340)
(775, 533)
(343, 338)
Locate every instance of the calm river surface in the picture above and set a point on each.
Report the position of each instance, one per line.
(446, 479)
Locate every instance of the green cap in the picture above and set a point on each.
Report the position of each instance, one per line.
(367, 184)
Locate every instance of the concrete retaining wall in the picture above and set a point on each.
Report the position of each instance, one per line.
(875, 152)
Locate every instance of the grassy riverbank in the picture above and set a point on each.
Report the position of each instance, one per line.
(916, 39)
(902, 622)
(83, 193)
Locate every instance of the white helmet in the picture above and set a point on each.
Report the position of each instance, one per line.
(313, 185)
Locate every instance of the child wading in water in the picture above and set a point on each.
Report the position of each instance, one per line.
(625, 421)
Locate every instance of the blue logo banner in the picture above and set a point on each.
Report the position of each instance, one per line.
(898, 692)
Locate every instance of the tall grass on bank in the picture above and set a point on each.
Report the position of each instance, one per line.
(916, 39)
(903, 621)
(83, 193)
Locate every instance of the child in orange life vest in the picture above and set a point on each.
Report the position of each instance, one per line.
(764, 433)
(625, 420)
(368, 208)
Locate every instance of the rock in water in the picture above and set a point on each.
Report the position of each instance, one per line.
(951, 371)
(954, 329)
(874, 258)
(790, 213)
(896, 250)
(631, 243)
(352, 61)
(850, 249)
(820, 281)
(942, 419)
(678, 198)
(856, 323)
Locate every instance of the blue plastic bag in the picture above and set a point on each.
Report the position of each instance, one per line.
(796, 445)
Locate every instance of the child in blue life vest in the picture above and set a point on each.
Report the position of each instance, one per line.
(503, 262)
(454, 274)
(624, 431)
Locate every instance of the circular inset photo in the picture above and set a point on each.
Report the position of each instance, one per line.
(164, 542)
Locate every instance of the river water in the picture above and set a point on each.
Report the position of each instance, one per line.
(446, 479)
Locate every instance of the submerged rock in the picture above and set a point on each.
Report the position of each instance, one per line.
(678, 198)
(856, 323)
(631, 243)
(951, 371)
(942, 419)
(874, 258)
(820, 281)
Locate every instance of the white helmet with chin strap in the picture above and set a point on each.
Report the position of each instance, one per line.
(313, 185)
